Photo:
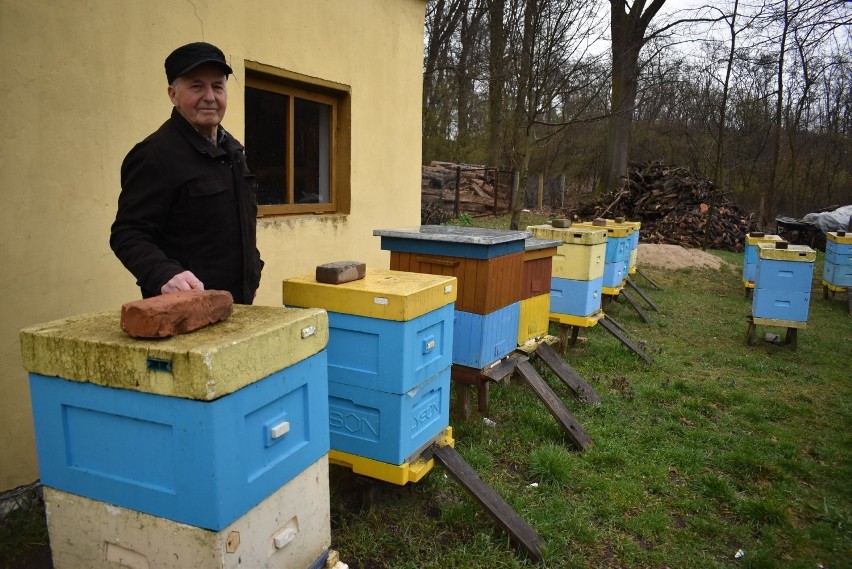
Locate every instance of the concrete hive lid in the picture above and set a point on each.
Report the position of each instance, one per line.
(253, 343)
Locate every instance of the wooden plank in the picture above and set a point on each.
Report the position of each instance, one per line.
(519, 530)
(607, 324)
(642, 294)
(578, 435)
(505, 367)
(642, 314)
(647, 278)
(566, 373)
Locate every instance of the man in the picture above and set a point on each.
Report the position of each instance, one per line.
(187, 209)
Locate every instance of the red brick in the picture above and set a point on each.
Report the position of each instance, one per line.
(177, 313)
(340, 272)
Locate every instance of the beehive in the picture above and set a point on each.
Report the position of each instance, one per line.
(289, 528)
(837, 269)
(618, 248)
(783, 282)
(390, 350)
(390, 331)
(752, 240)
(197, 428)
(489, 266)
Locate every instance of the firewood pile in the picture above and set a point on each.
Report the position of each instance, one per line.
(672, 203)
(476, 187)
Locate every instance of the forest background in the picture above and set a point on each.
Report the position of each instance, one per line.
(755, 95)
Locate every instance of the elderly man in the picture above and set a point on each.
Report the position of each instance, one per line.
(187, 209)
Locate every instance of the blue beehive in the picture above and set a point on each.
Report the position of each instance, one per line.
(390, 351)
(388, 427)
(837, 269)
(481, 339)
(197, 429)
(783, 282)
(752, 240)
(575, 297)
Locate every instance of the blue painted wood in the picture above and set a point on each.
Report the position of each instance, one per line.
(387, 355)
(838, 253)
(450, 249)
(203, 463)
(617, 249)
(615, 273)
(388, 427)
(775, 274)
(482, 339)
(574, 297)
(837, 275)
(781, 304)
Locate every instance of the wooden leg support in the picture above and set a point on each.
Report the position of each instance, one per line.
(566, 373)
(519, 530)
(642, 294)
(612, 327)
(578, 435)
(632, 301)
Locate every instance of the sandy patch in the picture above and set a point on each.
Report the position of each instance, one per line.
(675, 257)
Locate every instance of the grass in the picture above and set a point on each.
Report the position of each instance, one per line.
(716, 447)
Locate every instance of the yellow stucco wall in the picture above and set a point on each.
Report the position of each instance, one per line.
(81, 82)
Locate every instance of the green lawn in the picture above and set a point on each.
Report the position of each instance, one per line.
(717, 447)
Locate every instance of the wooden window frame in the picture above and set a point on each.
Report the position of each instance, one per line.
(337, 97)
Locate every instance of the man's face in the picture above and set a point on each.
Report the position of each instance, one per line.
(201, 97)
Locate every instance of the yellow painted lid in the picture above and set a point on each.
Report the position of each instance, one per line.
(254, 342)
(389, 295)
(844, 239)
(798, 253)
(570, 235)
(765, 238)
(617, 230)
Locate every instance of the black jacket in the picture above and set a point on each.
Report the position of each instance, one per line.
(187, 205)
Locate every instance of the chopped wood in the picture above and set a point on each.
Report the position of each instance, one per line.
(672, 203)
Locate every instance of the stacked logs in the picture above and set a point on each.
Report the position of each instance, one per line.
(476, 187)
(672, 203)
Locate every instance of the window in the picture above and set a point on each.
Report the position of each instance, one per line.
(297, 142)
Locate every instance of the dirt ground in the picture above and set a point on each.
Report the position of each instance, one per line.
(675, 257)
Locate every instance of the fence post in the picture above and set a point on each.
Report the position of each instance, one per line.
(458, 190)
(562, 191)
(496, 182)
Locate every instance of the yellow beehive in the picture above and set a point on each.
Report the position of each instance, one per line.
(254, 342)
(384, 294)
(581, 256)
(535, 317)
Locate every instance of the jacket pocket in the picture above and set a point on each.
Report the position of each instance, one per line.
(206, 187)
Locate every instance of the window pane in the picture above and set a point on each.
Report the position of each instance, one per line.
(266, 144)
(311, 152)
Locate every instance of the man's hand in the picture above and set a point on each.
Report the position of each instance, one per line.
(182, 281)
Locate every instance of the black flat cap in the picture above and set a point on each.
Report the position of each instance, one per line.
(186, 58)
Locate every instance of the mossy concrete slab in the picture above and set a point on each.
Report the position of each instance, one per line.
(253, 343)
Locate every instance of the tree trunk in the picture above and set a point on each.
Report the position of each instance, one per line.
(628, 29)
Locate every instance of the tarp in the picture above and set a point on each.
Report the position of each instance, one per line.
(837, 220)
